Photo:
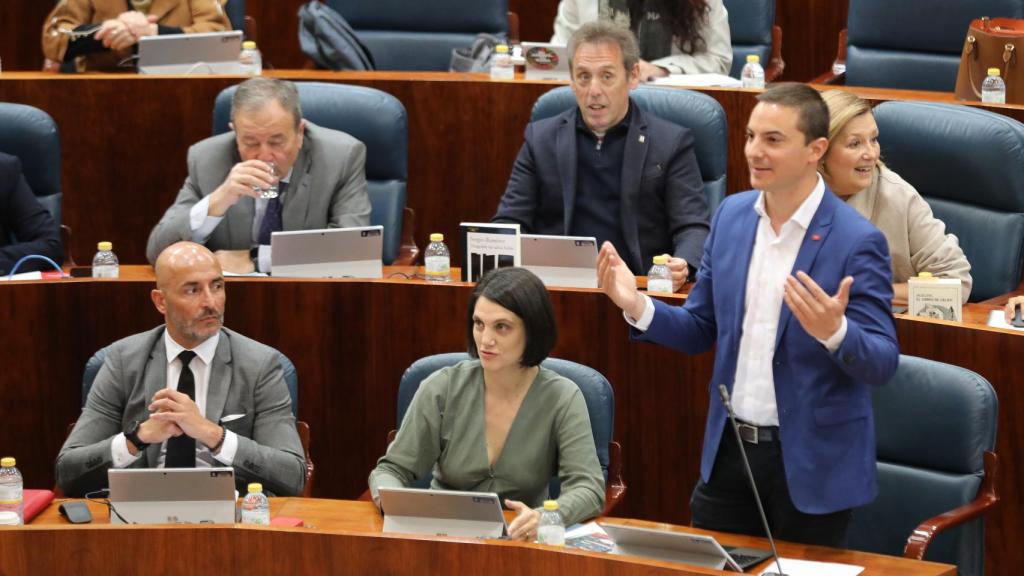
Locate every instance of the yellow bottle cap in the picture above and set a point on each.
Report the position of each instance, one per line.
(104, 246)
(753, 58)
(993, 71)
(7, 462)
(924, 275)
(248, 45)
(435, 237)
(501, 48)
(551, 504)
(255, 487)
(661, 260)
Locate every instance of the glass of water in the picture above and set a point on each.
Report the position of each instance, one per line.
(271, 191)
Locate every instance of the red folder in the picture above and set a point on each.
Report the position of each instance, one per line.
(35, 502)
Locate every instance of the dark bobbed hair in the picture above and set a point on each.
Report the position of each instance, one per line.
(812, 112)
(519, 291)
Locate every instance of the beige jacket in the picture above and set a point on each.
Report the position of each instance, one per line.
(917, 240)
(189, 15)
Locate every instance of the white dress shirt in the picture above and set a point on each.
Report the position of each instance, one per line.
(200, 367)
(753, 393)
(202, 224)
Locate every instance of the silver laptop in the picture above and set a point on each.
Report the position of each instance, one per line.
(328, 253)
(203, 53)
(442, 512)
(694, 549)
(172, 495)
(566, 261)
(546, 61)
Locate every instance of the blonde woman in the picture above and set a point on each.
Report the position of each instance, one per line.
(853, 168)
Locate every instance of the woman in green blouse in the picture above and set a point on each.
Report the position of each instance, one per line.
(500, 422)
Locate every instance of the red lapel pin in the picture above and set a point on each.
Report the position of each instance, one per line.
(815, 237)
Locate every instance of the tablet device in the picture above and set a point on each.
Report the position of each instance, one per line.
(201, 53)
(172, 495)
(328, 253)
(442, 512)
(687, 548)
(566, 261)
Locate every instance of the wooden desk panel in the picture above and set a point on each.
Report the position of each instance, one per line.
(346, 533)
(351, 340)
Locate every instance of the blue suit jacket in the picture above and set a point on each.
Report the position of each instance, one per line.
(662, 205)
(26, 227)
(825, 419)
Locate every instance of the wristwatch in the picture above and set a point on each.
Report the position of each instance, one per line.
(132, 434)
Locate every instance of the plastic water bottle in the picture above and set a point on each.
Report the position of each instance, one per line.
(255, 506)
(752, 75)
(993, 89)
(11, 490)
(251, 59)
(501, 64)
(104, 263)
(437, 259)
(659, 278)
(551, 529)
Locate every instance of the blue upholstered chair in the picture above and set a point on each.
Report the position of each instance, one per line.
(597, 393)
(403, 35)
(890, 45)
(32, 136)
(235, 9)
(967, 163)
(753, 31)
(375, 118)
(291, 378)
(699, 113)
(936, 429)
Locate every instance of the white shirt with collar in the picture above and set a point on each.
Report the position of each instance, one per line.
(202, 224)
(200, 367)
(753, 393)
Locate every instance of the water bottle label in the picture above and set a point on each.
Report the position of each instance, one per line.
(659, 285)
(10, 495)
(551, 535)
(259, 517)
(437, 266)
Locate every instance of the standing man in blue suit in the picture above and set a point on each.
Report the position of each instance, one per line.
(793, 290)
(608, 169)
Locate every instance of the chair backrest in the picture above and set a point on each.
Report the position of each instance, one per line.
(750, 27)
(375, 118)
(979, 196)
(93, 365)
(895, 45)
(235, 9)
(701, 114)
(597, 393)
(933, 424)
(32, 136)
(405, 35)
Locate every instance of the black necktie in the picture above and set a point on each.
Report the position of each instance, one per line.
(181, 450)
(272, 221)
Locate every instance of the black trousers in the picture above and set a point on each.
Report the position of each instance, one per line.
(726, 502)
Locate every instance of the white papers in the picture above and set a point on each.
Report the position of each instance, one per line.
(697, 80)
(996, 320)
(23, 276)
(793, 567)
(250, 274)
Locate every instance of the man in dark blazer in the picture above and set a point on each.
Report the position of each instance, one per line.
(793, 293)
(607, 168)
(190, 393)
(25, 226)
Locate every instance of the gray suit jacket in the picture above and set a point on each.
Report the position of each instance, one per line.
(245, 379)
(327, 190)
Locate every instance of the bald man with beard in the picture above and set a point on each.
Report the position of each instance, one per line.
(189, 393)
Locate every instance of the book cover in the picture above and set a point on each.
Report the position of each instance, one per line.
(939, 298)
(486, 247)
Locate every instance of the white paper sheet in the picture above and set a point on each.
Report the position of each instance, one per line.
(995, 320)
(794, 567)
(698, 80)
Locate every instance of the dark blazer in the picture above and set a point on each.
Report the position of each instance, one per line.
(662, 204)
(25, 226)
(825, 420)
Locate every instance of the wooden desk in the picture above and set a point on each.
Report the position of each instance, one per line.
(348, 534)
(351, 340)
(124, 140)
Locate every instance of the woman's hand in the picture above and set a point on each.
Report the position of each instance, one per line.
(524, 527)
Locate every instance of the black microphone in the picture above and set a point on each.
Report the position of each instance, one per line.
(724, 392)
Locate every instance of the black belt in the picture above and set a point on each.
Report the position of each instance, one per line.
(752, 434)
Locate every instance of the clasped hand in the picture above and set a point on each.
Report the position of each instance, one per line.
(173, 413)
(123, 32)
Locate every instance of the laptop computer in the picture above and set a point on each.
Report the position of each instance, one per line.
(202, 53)
(172, 495)
(546, 61)
(694, 549)
(442, 512)
(328, 253)
(566, 261)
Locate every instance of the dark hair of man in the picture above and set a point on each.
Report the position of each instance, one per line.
(686, 20)
(519, 291)
(812, 113)
(606, 33)
(254, 93)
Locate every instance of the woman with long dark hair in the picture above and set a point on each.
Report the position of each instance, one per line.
(676, 36)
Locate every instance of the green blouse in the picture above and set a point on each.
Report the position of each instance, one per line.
(443, 433)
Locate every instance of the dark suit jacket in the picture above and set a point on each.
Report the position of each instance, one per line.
(25, 226)
(824, 403)
(662, 204)
(247, 395)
